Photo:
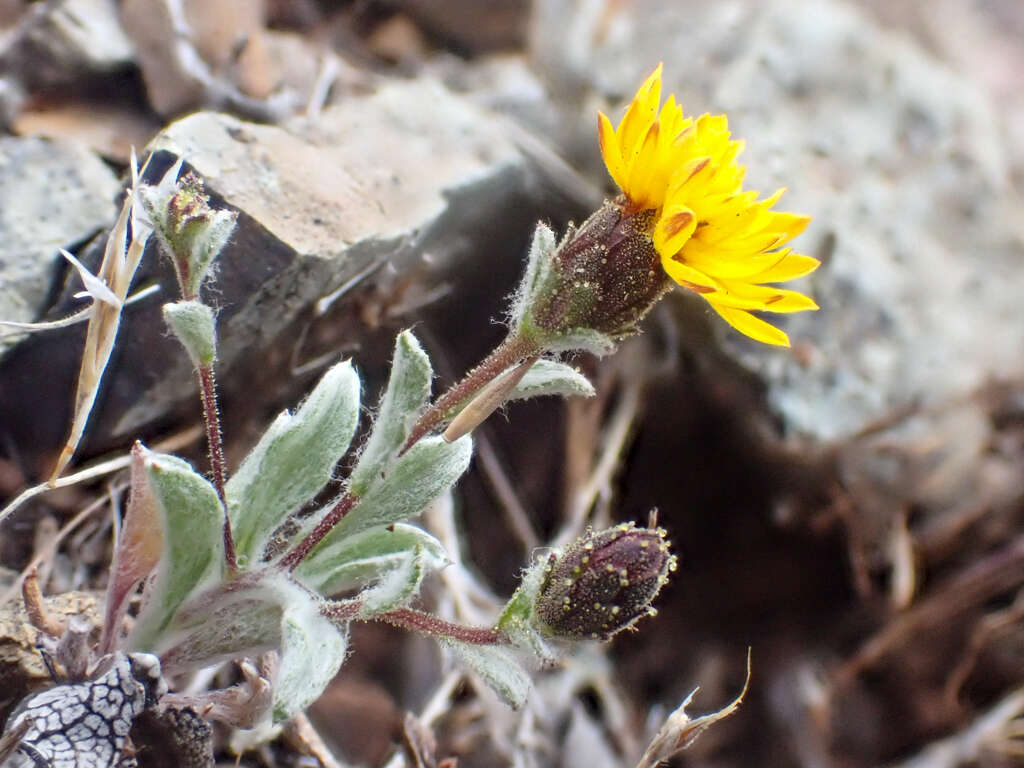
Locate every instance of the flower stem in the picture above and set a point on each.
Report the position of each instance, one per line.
(510, 352)
(208, 390)
(428, 624)
(341, 508)
(418, 621)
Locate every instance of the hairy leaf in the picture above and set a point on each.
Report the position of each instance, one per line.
(497, 667)
(192, 522)
(405, 397)
(293, 460)
(415, 480)
(193, 324)
(396, 587)
(548, 377)
(518, 619)
(537, 266)
(312, 650)
(363, 558)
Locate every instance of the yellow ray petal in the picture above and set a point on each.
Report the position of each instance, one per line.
(731, 248)
(762, 297)
(740, 269)
(751, 326)
(641, 188)
(688, 277)
(790, 267)
(674, 228)
(642, 111)
(610, 149)
(788, 225)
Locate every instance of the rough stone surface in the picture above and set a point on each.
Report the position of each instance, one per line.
(172, 737)
(170, 85)
(897, 159)
(84, 725)
(52, 195)
(21, 667)
(217, 54)
(56, 43)
(410, 179)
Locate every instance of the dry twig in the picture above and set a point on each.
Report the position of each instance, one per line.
(35, 607)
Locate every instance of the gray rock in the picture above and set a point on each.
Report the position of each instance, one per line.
(52, 195)
(56, 43)
(410, 180)
(210, 55)
(897, 159)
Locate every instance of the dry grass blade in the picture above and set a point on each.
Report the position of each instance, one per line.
(999, 572)
(10, 741)
(173, 443)
(38, 616)
(120, 260)
(14, 328)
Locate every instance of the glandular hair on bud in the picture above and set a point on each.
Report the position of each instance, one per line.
(604, 276)
(604, 582)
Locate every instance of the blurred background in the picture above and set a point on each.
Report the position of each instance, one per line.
(851, 509)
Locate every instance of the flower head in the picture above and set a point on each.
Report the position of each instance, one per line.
(604, 582)
(190, 230)
(712, 237)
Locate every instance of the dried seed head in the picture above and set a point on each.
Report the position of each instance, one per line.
(604, 582)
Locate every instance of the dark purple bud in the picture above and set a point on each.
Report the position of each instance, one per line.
(604, 582)
(605, 276)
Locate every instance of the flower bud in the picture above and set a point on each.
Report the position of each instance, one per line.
(604, 582)
(191, 232)
(603, 277)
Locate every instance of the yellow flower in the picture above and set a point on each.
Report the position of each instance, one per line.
(713, 238)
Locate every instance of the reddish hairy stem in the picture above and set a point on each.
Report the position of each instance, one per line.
(510, 352)
(428, 624)
(331, 519)
(418, 621)
(211, 417)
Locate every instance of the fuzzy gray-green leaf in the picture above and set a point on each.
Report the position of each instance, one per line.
(193, 543)
(414, 481)
(246, 623)
(293, 460)
(312, 650)
(518, 620)
(363, 558)
(193, 324)
(537, 265)
(396, 587)
(548, 377)
(497, 667)
(405, 397)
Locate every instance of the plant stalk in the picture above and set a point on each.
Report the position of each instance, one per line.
(211, 417)
(514, 350)
(341, 508)
(428, 624)
(418, 621)
(510, 352)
